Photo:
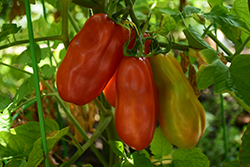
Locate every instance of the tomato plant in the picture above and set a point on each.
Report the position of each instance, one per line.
(58, 59)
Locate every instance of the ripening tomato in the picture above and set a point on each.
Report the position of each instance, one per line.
(136, 105)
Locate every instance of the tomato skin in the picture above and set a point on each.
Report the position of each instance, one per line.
(135, 118)
(110, 89)
(181, 115)
(91, 60)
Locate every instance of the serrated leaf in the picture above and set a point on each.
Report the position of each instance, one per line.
(235, 79)
(232, 164)
(9, 146)
(25, 57)
(11, 28)
(25, 89)
(194, 38)
(222, 16)
(118, 148)
(167, 25)
(40, 27)
(191, 10)
(240, 74)
(190, 158)
(5, 120)
(216, 73)
(244, 153)
(118, 164)
(55, 29)
(1, 7)
(3, 35)
(48, 71)
(160, 146)
(240, 8)
(233, 34)
(215, 2)
(141, 161)
(36, 155)
(145, 153)
(45, 52)
(208, 56)
(20, 141)
(16, 163)
(62, 53)
(4, 102)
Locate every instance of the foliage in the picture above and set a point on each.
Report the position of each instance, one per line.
(29, 116)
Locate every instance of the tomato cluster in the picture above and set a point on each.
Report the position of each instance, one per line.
(141, 89)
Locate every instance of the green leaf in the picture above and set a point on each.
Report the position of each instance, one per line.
(1, 7)
(240, 73)
(233, 79)
(4, 102)
(244, 149)
(19, 143)
(5, 120)
(3, 35)
(160, 146)
(221, 16)
(190, 158)
(11, 28)
(8, 29)
(16, 163)
(168, 24)
(36, 155)
(141, 160)
(232, 164)
(194, 38)
(25, 57)
(48, 71)
(215, 72)
(25, 89)
(233, 34)
(215, 2)
(191, 10)
(62, 53)
(40, 27)
(45, 52)
(208, 56)
(10, 146)
(118, 148)
(55, 29)
(145, 153)
(240, 8)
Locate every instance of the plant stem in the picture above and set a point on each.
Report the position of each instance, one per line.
(112, 136)
(85, 3)
(224, 127)
(50, 38)
(78, 126)
(101, 107)
(73, 23)
(174, 46)
(36, 79)
(65, 34)
(207, 29)
(129, 4)
(241, 48)
(16, 68)
(223, 47)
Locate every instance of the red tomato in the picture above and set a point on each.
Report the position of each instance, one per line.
(91, 60)
(110, 89)
(135, 113)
